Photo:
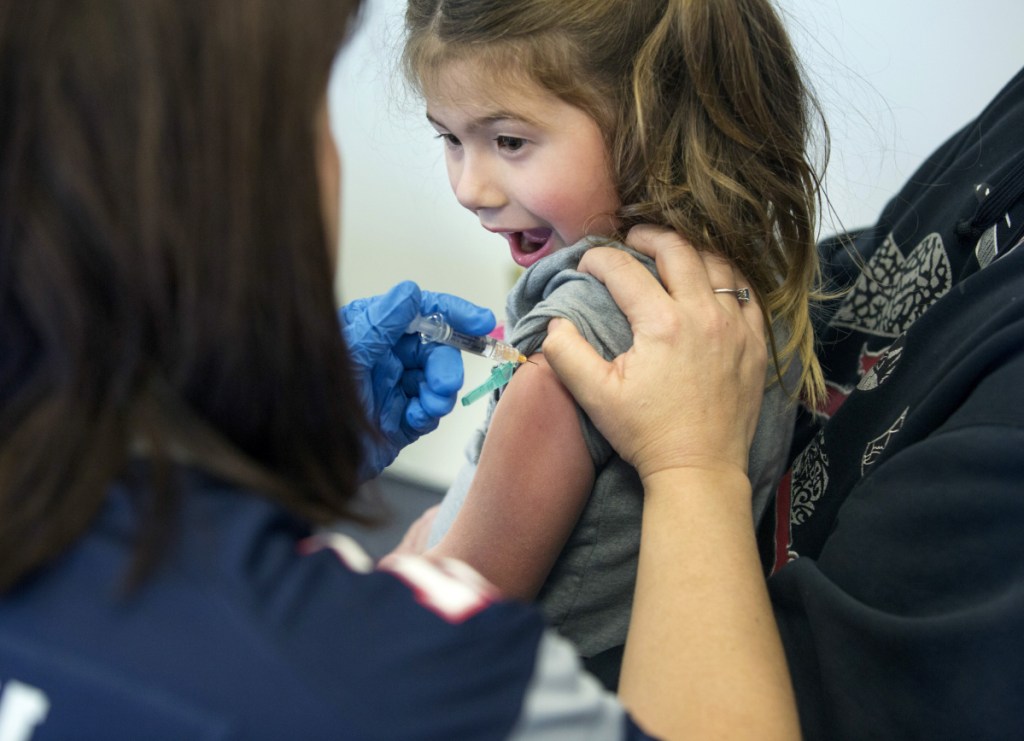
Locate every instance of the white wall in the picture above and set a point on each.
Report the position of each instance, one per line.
(896, 78)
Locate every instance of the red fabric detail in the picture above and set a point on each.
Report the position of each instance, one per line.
(782, 503)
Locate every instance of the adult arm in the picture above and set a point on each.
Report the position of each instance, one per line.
(703, 657)
(531, 484)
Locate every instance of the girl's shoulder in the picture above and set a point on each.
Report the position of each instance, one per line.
(555, 288)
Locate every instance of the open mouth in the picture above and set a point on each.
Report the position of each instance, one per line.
(529, 246)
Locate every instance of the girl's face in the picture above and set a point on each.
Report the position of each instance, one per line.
(532, 167)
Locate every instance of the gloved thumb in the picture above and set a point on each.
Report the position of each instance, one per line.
(463, 315)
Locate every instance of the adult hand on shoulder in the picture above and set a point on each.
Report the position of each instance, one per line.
(688, 392)
(681, 405)
(406, 386)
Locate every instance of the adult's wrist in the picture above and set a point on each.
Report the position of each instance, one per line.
(697, 480)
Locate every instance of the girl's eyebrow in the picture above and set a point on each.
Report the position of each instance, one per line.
(489, 120)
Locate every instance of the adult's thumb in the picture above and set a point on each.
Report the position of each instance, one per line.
(579, 367)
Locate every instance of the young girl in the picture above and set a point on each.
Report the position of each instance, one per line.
(565, 123)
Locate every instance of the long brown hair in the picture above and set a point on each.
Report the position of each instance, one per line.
(708, 121)
(165, 283)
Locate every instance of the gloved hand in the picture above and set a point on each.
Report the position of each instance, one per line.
(405, 386)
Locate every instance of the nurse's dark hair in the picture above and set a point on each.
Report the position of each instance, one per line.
(708, 121)
(165, 286)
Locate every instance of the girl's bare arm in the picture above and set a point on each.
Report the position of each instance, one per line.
(531, 483)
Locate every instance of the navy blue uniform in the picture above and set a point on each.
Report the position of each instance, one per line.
(252, 629)
(898, 541)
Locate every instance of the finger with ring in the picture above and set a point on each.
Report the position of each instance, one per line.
(742, 294)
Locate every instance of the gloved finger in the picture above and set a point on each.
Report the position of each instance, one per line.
(412, 353)
(386, 382)
(375, 324)
(443, 371)
(387, 374)
(411, 381)
(463, 315)
(436, 404)
(425, 401)
(441, 366)
(419, 420)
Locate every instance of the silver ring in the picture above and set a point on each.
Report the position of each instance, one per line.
(742, 294)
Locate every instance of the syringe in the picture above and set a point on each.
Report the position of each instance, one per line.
(433, 328)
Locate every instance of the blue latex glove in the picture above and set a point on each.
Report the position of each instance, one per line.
(405, 386)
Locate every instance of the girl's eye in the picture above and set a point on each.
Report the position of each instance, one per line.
(510, 143)
(450, 140)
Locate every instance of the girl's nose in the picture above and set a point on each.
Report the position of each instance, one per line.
(476, 188)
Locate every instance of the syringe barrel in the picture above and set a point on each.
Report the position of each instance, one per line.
(477, 345)
(486, 347)
(433, 328)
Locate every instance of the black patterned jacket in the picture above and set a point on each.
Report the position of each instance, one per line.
(896, 552)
